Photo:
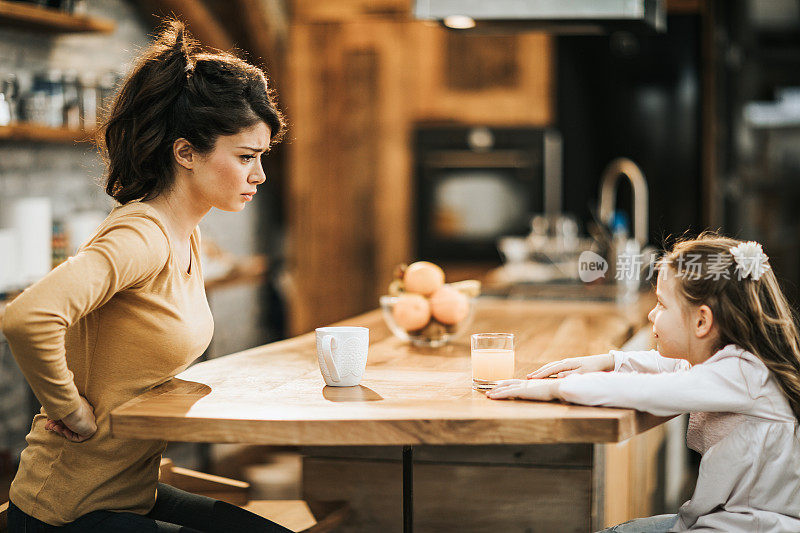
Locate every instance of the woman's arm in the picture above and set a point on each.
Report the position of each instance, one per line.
(126, 253)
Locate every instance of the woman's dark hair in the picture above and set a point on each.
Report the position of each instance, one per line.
(175, 91)
(752, 314)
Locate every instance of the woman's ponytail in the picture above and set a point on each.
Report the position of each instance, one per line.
(156, 105)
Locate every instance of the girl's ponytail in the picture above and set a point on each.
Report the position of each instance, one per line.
(155, 106)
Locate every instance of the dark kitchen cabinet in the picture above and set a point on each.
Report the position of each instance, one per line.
(637, 96)
(761, 159)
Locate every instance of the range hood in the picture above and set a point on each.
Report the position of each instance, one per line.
(552, 16)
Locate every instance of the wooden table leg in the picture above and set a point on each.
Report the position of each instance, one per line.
(408, 489)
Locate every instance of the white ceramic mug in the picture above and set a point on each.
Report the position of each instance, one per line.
(342, 354)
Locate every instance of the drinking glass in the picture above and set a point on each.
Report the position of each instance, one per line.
(492, 359)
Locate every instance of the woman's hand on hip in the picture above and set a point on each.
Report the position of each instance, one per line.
(575, 365)
(77, 426)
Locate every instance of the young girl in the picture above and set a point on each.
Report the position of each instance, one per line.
(129, 311)
(728, 353)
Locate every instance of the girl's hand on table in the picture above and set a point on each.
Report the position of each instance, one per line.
(77, 426)
(575, 365)
(525, 389)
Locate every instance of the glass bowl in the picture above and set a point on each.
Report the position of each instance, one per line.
(434, 334)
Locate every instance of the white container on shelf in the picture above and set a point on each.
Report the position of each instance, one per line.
(8, 260)
(80, 225)
(32, 221)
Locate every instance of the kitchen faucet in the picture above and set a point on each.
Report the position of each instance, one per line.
(622, 166)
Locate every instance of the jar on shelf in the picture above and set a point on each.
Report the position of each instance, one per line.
(44, 104)
(106, 84)
(55, 106)
(9, 99)
(71, 115)
(34, 107)
(5, 111)
(89, 96)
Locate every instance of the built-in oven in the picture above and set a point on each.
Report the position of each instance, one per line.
(477, 184)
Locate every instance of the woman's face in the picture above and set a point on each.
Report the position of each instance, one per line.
(670, 326)
(227, 177)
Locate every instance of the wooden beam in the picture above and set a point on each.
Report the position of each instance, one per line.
(265, 28)
(266, 25)
(201, 23)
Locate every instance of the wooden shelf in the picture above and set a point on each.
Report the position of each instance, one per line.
(35, 132)
(41, 19)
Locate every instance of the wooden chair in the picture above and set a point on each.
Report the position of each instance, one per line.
(297, 515)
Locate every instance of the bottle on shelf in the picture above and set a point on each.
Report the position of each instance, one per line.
(5, 110)
(60, 243)
(9, 99)
(107, 81)
(88, 100)
(71, 113)
(8, 261)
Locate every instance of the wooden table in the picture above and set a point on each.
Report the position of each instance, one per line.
(274, 394)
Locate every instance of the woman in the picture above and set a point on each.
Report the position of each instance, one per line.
(128, 311)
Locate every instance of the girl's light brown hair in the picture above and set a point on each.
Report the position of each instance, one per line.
(752, 314)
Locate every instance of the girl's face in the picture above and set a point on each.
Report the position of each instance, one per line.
(670, 320)
(227, 177)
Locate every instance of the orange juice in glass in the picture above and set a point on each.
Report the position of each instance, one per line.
(492, 359)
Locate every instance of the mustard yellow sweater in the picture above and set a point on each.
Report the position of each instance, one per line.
(115, 320)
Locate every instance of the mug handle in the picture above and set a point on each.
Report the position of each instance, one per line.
(327, 347)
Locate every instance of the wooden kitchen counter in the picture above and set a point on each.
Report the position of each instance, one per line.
(275, 394)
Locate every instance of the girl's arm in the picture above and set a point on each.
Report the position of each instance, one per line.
(124, 254)
(647, 362)
(728, 382)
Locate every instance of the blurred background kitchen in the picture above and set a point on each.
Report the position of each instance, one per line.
(497, 140)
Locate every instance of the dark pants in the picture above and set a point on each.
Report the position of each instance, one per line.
(175, 511)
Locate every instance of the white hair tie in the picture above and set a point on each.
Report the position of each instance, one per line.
(750, 259)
